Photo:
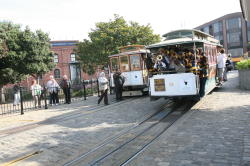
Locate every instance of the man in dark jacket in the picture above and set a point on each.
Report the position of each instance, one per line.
(118, 81)
(66, 85)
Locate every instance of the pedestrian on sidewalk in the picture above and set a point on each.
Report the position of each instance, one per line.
(221, 64)
(36, 90)
(16, 91)
(119, 80)
(53, 89)
(228, 67)
(103, 87)
(65, 84)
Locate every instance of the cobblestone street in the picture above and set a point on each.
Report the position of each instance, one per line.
(55, 141)
(215, 132)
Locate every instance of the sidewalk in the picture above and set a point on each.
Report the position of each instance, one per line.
(34, 116)
(217, 133)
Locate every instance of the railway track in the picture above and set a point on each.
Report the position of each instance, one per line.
(122, 148)
(62, 118)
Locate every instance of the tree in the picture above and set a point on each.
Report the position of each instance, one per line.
(108, 37)
(22, 53)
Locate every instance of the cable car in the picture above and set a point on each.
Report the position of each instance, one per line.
(130, 62)
(183, 75)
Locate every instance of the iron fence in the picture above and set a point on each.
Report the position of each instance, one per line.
(22, 100)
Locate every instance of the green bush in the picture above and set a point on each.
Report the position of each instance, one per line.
(245, 64)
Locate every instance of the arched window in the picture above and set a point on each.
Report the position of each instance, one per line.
(56, 58)
(56, 73)
(73, 57)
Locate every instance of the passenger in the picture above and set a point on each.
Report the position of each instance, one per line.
(179, 67)
(171, 62)
(159, 66)
(166, 59)
(221, 64)
(187, 62)
(119, 80)
(228, 67)
(103, 87)
(203, 74)
(36, 91)
(53, 89)
(16, 90)
(65, 84)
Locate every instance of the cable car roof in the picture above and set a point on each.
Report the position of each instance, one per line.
(185, 36)
(131, 53)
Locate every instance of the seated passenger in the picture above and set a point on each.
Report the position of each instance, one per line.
(160, 66)
(179, 67)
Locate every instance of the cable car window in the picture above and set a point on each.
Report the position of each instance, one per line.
(114, 64)
(124, 63)
(135, 62)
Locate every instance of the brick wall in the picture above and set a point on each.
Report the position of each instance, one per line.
(63, 49)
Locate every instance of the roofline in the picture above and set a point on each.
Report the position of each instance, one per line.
(165, 43)
(196, 30)
(231, 15)
(141, 51)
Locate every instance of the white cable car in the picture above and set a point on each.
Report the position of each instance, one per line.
(181, 47)
(130, 61)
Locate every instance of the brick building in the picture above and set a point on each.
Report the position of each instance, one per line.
(66, 64)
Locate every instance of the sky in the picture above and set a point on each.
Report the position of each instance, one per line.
(74, 19)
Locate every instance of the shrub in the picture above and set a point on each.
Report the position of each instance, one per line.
(243, 65)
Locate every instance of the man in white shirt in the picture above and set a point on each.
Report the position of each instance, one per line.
(221, 64)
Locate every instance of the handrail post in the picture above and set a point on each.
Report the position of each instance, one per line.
(21, 100)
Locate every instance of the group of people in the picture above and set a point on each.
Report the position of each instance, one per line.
(118, 79)
(180, 62)
(52, 87)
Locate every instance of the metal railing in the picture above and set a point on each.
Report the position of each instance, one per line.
(23, 100)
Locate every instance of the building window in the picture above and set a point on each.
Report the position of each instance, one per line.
(56, 58)
(218, 27)
(234, 23)
(234, 39)
(73, 57)
(56, 73)
(220, 38)
(206, 30)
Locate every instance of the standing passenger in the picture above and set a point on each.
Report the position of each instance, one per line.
(16, 90)
(103, 87)
(203, 66)
(53, 89)
(66, 85)
(221, 64)
(36, 93)
(118, 81)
